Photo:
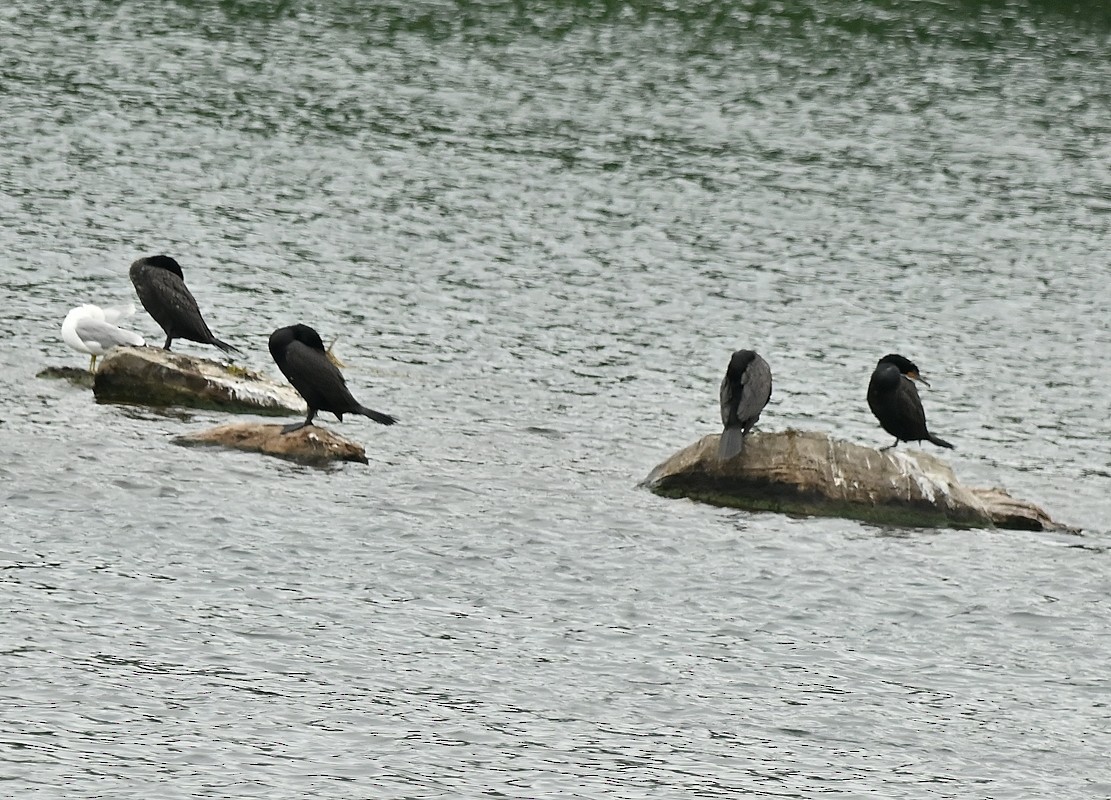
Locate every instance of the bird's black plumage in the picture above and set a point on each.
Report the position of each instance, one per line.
(162, 291)
(300, 355)
(745, 390)
(894, 400)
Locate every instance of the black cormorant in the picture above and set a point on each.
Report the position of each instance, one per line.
(745, 390)
(163, 293)
(300, 355)
(894, 400)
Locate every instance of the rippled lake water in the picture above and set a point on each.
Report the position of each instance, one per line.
(539, 230)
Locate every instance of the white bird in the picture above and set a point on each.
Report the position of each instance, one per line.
(92, 329)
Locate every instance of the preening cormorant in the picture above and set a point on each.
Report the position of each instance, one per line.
(745, 390)
(92, 329)
(163, 293)
(894, 400)
(300, 355)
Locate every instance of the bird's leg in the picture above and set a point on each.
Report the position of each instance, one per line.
(890, 446)
(296, 426)
(168, 340)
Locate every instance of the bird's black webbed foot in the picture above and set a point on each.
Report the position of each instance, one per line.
(296, 426)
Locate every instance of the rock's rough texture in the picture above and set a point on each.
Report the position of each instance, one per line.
(154, 377)
(800, 472)
(1022, 515)
(309, 445)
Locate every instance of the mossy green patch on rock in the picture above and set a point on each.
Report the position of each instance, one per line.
(239, 372)
(915, 515)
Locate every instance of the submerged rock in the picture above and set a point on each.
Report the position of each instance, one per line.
(78, 377)
(801, 472)
(155, 377)
(309, 445)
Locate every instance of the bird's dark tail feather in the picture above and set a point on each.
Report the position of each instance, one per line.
(227, 348)
(731, 444)
(941, 442)
(377, 416)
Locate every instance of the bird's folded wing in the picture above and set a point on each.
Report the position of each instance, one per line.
(105, 335)
(726, 399)
(313, 366)
(910, 405)
(756, 388)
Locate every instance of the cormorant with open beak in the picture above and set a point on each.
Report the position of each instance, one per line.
(894, 400)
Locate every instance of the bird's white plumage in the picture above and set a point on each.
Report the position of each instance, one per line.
(92, 329)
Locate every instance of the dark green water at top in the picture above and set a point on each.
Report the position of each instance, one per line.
(539, 230)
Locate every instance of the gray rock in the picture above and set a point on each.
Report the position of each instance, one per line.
(309, 445)
(154, 377)
(809, 473)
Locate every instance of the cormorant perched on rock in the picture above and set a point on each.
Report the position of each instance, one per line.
(894, 400)
(92, 329)
(300, 355)
(745, 390)
(163, 293)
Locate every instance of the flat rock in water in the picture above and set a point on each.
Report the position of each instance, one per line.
(309, 445)
(804, 472)
(155, 377)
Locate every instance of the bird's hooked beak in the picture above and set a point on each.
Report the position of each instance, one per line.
(917, 376)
